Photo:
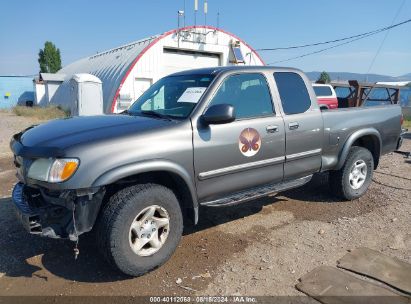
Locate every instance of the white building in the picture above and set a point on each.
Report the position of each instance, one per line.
(127, 71)
(46, 86)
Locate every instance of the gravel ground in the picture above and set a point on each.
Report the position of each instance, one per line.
(258, 248)
(9, 125)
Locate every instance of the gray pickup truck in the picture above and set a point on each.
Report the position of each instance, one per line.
(206, 137)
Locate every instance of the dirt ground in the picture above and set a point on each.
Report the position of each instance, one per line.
(258, 248)
(9, 125)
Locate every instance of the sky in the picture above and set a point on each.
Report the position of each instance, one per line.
(81, 28)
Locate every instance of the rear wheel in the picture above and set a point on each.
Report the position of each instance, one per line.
(354, 178)
(140, 228)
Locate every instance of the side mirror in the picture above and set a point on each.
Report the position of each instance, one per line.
(219, 114)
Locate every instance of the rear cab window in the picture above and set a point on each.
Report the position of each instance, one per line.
(293, 92)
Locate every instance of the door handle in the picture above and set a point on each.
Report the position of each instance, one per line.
(272, 129)
(293, 125)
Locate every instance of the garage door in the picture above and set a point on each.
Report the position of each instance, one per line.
(176, 60)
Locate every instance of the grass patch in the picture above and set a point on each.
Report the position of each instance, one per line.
(46, 113)
(407, 124)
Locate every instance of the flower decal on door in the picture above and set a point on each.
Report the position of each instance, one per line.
(249, 142)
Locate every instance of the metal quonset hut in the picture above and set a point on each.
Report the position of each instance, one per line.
(127, 71)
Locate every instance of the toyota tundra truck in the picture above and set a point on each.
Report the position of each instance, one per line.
(207, 137)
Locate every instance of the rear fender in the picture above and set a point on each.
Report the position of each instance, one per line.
(353, 138)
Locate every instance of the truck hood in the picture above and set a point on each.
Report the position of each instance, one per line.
(52, 138)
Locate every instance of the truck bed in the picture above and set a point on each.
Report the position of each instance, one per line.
(340, 124)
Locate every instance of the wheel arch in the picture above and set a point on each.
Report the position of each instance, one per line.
(161, 172)
(367, 138)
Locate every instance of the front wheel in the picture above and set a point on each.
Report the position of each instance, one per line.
(354, 178)
(140, 228)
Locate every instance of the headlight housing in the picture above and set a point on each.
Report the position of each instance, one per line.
(53, 170)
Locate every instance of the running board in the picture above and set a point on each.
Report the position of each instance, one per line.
(257, 192)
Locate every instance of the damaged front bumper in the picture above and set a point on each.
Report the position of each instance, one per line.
(65, 214)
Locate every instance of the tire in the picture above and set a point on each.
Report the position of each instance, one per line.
(343, 184)
(114, 234)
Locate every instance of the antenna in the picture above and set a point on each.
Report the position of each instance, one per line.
(179, 14)
(218, 20)
(195, 12)
(205, 12)
(184, 10)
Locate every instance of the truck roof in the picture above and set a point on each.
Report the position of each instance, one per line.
(218, 70)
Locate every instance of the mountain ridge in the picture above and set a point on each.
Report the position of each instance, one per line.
(340, 76)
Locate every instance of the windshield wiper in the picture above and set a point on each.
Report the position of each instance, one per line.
(155, 114)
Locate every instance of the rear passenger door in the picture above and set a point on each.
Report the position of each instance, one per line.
(245, 153)
(303, 126)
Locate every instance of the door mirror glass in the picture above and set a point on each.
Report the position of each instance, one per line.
(219, 114)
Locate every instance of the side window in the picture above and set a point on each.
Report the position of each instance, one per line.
(247, 93)
(293, 92)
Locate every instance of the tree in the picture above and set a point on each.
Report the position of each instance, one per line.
(409, 85)
(324, 78)
(49, 58)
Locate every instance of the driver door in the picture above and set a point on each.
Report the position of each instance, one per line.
(246, 153)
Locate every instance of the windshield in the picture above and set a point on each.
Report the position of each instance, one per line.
(172, 96)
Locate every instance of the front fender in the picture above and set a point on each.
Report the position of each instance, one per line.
(155, 165)
(351, 140)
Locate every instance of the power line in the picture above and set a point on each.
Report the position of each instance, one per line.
(335, 40)
(340, 44)
(319, 51)
(385, 37)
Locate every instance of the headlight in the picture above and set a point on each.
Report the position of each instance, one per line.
(40, 169)
(53, 170)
